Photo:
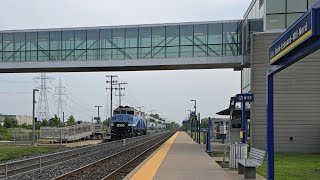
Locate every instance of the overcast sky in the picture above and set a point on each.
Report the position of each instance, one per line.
(167, 92)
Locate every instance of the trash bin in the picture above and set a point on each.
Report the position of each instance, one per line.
(237, 151)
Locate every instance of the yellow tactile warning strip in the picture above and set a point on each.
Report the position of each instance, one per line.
(149, 170)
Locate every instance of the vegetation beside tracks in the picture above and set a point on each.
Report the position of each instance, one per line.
(8, 152)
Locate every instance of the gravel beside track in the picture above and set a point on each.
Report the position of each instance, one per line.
(56, 164)
(112, 167)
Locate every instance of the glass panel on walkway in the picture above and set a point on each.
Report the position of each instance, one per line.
(184, 40)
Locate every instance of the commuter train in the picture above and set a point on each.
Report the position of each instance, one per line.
(155, 125)
(127, 122)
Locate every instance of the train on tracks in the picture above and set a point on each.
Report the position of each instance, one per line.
(128, 122)
(155, 125)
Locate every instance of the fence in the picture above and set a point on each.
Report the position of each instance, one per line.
(18, 135)
(68, 133)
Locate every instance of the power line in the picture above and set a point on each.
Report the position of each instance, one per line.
(119, 90)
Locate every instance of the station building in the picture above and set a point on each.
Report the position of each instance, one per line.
(296, 89)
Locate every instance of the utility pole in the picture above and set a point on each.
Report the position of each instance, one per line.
(120, 89)
(33, 118)
(195, 114)
(60, 93)
(98, 113)
(43, 107)
(140, 109)
(190, 123)
(63, 118)
(112, 82)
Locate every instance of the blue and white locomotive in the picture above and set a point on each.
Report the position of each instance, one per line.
(127, 122)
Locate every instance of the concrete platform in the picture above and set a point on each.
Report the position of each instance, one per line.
(180, 158)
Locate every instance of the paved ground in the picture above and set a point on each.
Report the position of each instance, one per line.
(186, 160)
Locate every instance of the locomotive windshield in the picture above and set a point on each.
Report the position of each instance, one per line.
(130, 112)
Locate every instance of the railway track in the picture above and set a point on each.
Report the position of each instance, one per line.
(118, 165)
(53, 165)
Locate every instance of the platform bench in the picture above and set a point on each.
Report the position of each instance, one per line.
(248, 166)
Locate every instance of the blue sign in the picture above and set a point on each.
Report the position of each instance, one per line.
(296, 34)
(244, 97)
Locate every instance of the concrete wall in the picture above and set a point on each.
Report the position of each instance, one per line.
(297, 100)
(24, 119)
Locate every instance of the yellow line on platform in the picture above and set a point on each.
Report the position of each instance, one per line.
(150, 168)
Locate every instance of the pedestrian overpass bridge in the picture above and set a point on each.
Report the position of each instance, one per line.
(201, 45)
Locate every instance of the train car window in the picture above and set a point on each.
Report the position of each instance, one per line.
(123, 111)
(116, 112)
(130, 112)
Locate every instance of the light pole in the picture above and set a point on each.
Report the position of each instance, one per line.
(195, 113)
(98, 113)
(195, 106)
(33, 118)
(189, 118)
(64, 116)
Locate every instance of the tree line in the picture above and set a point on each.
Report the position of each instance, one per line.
(204, 124)
(11, 122)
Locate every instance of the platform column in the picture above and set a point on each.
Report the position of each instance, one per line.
(270, 126)
(208, 144)
(244, 123)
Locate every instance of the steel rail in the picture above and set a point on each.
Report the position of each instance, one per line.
(118, 171)
(96, 164)
(35, 164)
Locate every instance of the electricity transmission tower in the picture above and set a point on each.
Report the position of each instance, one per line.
(119, 90)
(42, 107)
(61, 95)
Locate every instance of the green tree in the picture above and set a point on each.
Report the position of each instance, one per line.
(185, 127)
(54, 121)
(155, 116)
(79, 122)
(204, 123)
(45, 123)
(10, 122)
(71, 121)
(26, 126)
(38, 125)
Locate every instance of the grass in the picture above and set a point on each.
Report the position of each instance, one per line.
(11, 151)
(294, 166)
(218, 154)
(201, 137)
